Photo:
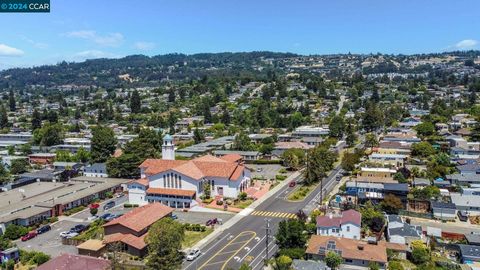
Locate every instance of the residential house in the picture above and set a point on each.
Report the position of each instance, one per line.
(96, 170)
(41, 158)
(68, 261)
(401, 232)
(245, 155)
(463, 179)
(348, 224)
(443, 210)
(396, 160)
(308, 265)
(355, 253)
(469, 253)
(469, 203)
(364, 191)
(9, 254)
(132, 228)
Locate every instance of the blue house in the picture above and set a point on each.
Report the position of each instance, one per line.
(9, 254)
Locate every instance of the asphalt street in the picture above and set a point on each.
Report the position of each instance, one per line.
(246, 240)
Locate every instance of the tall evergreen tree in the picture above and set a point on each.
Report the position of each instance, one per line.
(36, 120)
(11, 100)
(3, 117)
(135, 102)
(103, 144)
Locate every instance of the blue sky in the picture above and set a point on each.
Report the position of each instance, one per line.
(76, 30)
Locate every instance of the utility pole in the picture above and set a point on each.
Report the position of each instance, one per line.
(267, 235)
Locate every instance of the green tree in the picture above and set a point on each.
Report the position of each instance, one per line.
(3, 117)
(36, 120)
(26, 149)
(371, 140)
(135, 102)
(198, 136)
(245, 266)
(373, 265)
(391, 204)
(164, 245)
(420, 253)
(14, 232)
(350, 133)
(283, 262)
(103, 144)
(294, 158)
(82, 155)
(11, 101)
(290, 234)
(425, 129)
(48, 135)
(19, 166)
(93, 211)
(124, 166)
(242, 142)
(399, 177)
(422, 149)
(319, 161)
(333, 260)
(337, 127)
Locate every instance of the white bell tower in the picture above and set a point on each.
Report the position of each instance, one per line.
(168, 148)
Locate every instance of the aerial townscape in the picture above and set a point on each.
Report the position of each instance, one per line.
(250, 159)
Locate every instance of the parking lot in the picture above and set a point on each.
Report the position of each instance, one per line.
(267, 171)
(51, 242)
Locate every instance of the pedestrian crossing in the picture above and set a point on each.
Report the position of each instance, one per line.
(274, 214)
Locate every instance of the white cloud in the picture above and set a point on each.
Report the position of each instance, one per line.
(38, 45)
(10, 51)
(93, 54)
(144, 46)
(466, 44)
(108, 40)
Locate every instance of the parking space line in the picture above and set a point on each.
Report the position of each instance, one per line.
(230, 242)
(239, 249)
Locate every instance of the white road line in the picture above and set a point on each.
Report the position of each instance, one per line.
(259, 242)
(205, 252)
(262, 257)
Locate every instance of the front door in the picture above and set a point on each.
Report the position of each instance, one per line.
(220, 191)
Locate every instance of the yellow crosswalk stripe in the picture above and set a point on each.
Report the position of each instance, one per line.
(274, 214)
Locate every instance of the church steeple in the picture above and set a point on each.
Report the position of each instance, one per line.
(168, 148)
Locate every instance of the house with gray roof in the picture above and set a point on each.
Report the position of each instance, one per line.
(400, 232)
(469, 203)
(308, 265)
(463, 179)
(469, 253)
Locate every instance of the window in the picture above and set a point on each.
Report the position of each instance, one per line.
(348, 261)
(180, 181)
(348, 228)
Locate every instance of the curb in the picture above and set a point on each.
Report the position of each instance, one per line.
(245, 212)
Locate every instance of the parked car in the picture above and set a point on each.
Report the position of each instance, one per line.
(64, 234)
(71, 235)
(292, 184)
(44, 229)
(211, 222)
(174, 216)
(92, 218)
(29, 236)
(462, 216)
(339, 177)
(79, 228)
(119, 195)
(109, 205)
(94, 205)
(108, 216)
(193, 254)
(259, 169)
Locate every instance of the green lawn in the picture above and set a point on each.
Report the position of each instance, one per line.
(243, 204)
(300, 193)
(191, 237)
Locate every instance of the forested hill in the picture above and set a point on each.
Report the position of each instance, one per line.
(139, 68)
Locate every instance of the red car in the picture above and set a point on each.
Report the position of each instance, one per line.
(292, 184)
(94, 205)
(29, 236)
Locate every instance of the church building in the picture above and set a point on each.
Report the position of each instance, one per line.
(179, 183)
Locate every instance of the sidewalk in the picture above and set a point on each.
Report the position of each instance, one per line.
(245, 212)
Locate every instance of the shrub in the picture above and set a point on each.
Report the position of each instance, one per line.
(294, 253)
(14, 232)
(219, 202)
(127, 205)
(280, 177)
(395, 265)
(109, 194)
(242, 196)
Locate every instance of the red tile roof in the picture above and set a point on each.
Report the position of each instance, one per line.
(142, 181)
(75, 262)
(350, 248)
(142, 217)
(349, 216)
(128, 239)
(206, 166)
(171, 191)
(232, 157)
